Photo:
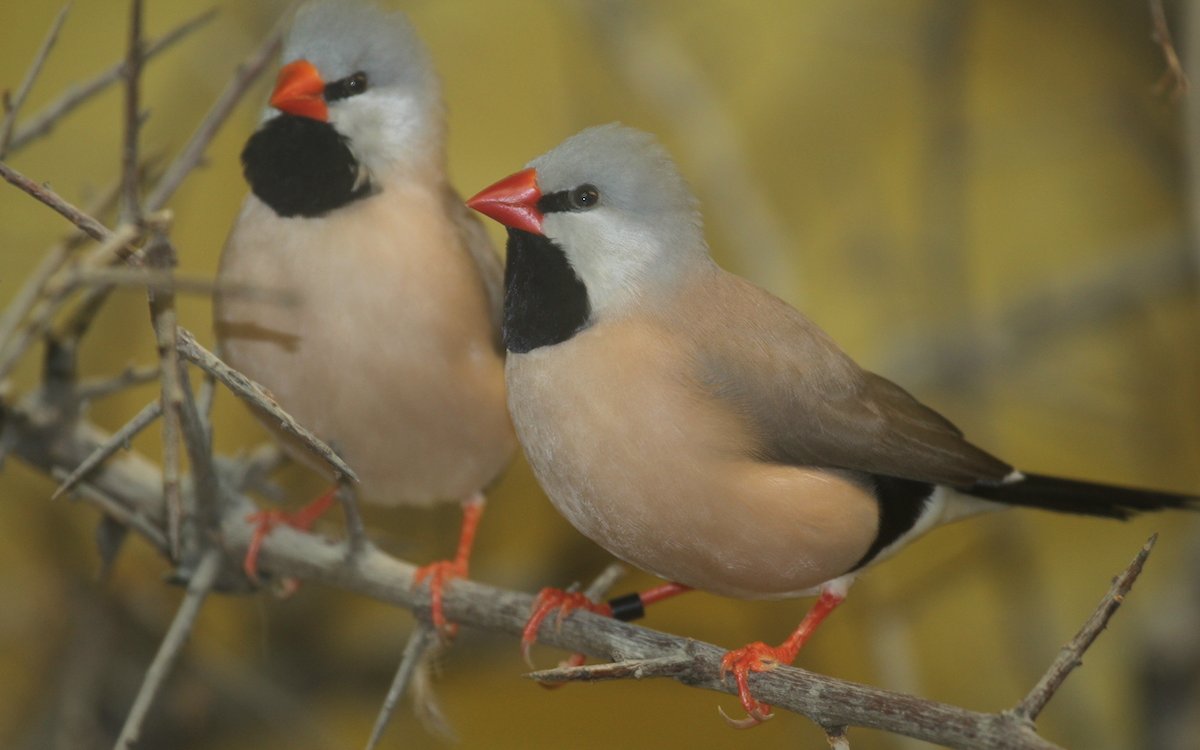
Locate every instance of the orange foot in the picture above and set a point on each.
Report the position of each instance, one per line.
(759, 657)
(266, 520)
(439, 573)
(442, 572)
(755, 657)
(566, 602)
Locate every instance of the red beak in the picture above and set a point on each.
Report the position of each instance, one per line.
(300, 90)
(512, 201)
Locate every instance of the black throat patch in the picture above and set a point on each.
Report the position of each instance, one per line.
(302, 167)
(545, 302)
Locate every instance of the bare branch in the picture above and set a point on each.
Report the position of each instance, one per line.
(204, 400)
(160, 280)
(131, 209)
(828, 701)
(1071, 655)
(32, 291)
(44, 121)
(119, 512)
(92, 390)
(608, 578)
(44, 194)
(636, 650)
(163, 317)
(168, 653)
(198, 441)
(255, 395)
(665, 666)
(420, 642)
(119, 440)
(246, 74)
(13, 104)
(55, 296)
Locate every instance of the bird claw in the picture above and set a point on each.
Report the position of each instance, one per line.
(549, 599)
(755, 657)
(751, 720)
(265, 521)
(439, 573)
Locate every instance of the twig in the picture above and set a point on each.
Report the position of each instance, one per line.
(608, 578)
(160, 280)
(163, 317)
(246, 74)
(420, 642)
(204, 400)
(32, 291)
(198, 441)
(118, 512)
(1174, 76)
(119, 440)
(637, 669)
(356, 531)
(827, 701)
(13, 104)
(45, 120)
(131, 209)
(172, 645)
(255, 395)
(92, 390)
(1071, 655)
(45, 195)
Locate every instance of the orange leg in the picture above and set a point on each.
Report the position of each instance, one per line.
(442, 571)
(624, 608)
(266, 520)
(759, 657)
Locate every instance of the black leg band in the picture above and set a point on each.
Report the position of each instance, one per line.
(627, 608)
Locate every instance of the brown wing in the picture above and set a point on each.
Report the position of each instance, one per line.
(808, 403)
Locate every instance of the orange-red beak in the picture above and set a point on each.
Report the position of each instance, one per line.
(300, 90)
(512, 201)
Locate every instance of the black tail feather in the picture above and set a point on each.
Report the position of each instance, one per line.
(1084, 498)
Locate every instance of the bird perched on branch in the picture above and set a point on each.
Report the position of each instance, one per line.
(392, 353)
(702, 429)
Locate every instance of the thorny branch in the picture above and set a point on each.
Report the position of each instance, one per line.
(132, 484)
(1071, 655)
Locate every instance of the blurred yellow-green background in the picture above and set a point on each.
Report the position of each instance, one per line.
(988, 202)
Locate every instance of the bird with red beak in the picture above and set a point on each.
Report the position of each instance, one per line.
(391, 352)
(704, 430)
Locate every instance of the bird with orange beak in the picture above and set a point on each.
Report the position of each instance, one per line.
(704, 430)
(392, 351)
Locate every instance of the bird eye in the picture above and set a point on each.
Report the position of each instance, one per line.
(584, 197)
(346, 87)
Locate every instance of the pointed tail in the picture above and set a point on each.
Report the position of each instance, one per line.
(1084, 498)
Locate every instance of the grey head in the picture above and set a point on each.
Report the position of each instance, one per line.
(641, 229)
(398, 120)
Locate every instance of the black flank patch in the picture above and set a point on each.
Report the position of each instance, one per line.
(545, 302)
(901, 502)
(301, 167)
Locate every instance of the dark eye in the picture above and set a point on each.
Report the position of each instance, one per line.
(584, 197)
(346, 87)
